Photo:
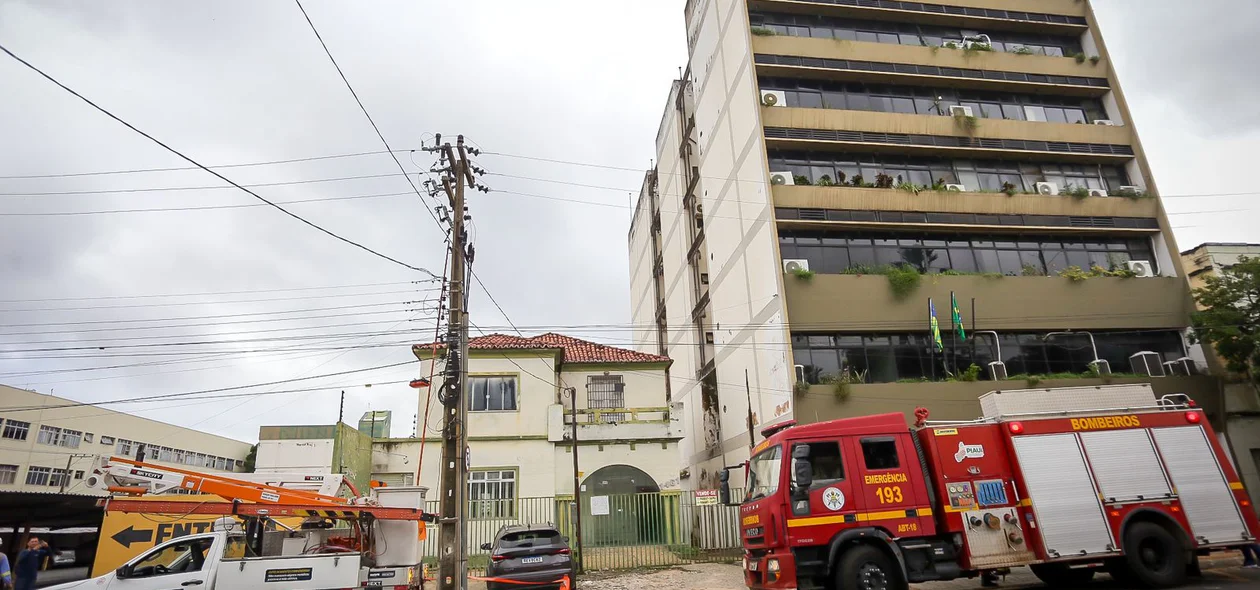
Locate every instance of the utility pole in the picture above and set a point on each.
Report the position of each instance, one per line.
(577, 476)
(341, 414)
(456, 174)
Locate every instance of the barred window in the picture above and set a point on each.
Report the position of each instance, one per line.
(38, 476)
(16, 429)
(606, 391)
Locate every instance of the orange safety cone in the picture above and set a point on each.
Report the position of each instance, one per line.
(564, 583)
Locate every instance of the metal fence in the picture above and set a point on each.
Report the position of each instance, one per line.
(618, 531)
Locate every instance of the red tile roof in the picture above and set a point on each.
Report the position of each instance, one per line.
(573, 350)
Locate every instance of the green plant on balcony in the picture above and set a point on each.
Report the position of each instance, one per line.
(1094, 59)
(1031, 270)
(763, 32)
(971, 373)
(883, 181)
(903, 280)
(857, 180)
(1077, 192)
(939, 185)
(800, 388)
(825, 180)
(803, 274)
(1079, 57)
(909, 187)
(968, 123)
(934, 49)
(1075, 274)
(841, 383)
(1021, 50)
(976, 48)
(801, 179)
(1009, 189)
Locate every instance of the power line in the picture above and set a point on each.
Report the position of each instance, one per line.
(363, 108)
(216, 293)
(198, 208)
(209, 342)
(247, 332)
(185, 395)
(182, 303)
(164, 189)
(216, 174)
(183, 168)
(204, 317)
(251, 321)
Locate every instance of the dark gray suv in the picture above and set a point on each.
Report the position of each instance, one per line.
(534, 553)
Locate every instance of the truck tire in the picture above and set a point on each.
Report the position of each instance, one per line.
(1058, 575)
(864, 567)
(1153, 557)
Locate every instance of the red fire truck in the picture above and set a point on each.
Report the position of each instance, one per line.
(1067, 481)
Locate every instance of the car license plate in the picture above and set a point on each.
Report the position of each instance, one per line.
(531, 560)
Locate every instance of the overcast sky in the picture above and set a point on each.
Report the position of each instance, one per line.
(236, 82)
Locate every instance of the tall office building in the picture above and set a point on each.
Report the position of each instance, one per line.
(825, 167)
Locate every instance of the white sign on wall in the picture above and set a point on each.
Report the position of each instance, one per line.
(599, 506)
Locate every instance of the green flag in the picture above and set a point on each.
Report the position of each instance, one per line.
(956, 318)
(936, 327)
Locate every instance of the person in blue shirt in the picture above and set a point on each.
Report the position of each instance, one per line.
(6, 575)
(29, 562)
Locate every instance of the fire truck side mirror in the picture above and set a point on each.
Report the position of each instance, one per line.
(802, 471)
(724, 487)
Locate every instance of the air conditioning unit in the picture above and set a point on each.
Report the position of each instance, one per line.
(1129, 189)
(1106, 122)
(1047, 188)
(958, 110)
(1182, 366)
(958, 188)
(997, 371)
(974, 40)
(1143, 268)
(782, 178)
(773, 98)
(1147, 363)
(1097, 192)
(1101, 365)
(795, 264)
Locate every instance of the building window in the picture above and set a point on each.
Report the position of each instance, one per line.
(38, 476)
(78, 474)
(492, 494)
(1010, 255)
(16, 429)
(606, 391)
(107, 440)
(492, 394)
(51, 435)
(124, 447)
(87, 437)
(58, 478)
(889, 357)
(8, 475)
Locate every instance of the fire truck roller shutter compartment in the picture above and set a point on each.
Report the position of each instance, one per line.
(1205, 495)
(1069, 515)
(1125, 465)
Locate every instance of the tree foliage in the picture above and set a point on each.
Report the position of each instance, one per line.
(250, 459)
(1230, 320)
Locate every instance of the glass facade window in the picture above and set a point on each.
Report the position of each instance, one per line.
(887, 358)
(805, 25)
(858, 96)
(976, 175)
(1011, 255)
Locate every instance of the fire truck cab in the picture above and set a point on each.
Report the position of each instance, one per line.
(1067, 481)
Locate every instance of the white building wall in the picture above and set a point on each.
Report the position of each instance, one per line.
(745, 280)
(294, 456)
(103, 425)
(642, 290)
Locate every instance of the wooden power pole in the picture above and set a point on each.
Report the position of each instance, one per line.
(452, 562)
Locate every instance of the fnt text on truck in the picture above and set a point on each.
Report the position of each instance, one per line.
(1067, 481)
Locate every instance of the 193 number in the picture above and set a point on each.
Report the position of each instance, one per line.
(889, 495)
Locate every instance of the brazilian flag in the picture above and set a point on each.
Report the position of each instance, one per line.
(956, 318)
(936, 327)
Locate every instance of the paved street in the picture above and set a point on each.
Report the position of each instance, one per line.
(1224, 574)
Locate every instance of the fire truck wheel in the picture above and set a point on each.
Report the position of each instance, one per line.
(1061, 576)
(1153, 557)
(864, 567)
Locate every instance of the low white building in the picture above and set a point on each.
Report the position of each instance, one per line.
(47, 443)
(519, 428)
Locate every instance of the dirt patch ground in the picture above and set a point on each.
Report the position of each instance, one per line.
(700, 576)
